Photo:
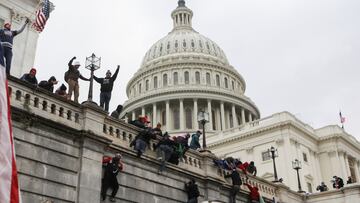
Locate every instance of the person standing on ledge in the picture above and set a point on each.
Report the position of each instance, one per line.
(236, 183)
(192, 191)
(71, 77)
(7, 38)
(107, 84)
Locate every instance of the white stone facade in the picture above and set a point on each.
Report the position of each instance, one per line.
(324, 152)
(24, 49)
(184, 73)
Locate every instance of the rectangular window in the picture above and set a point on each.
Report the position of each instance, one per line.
(305, 157)
(309, 186)
(265, 156)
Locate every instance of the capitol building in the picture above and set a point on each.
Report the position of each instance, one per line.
(185, 73)
(182, 74)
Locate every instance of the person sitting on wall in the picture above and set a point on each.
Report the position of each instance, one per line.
(49, 84)
(30, 77)
(195, 144)
(349, 180)
(337, 182)
(107, 84)
(251, 168)
(142, 140)
(112, 167)
(322, 187)
(182, 144)
(157, 130)
(192, 191)
(141, 122)
(61, 91)
(7, 38)
(116, 113)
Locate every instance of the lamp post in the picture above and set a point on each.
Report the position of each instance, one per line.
(274, 153)
(296, 164)
(92, 63)
(203, 118)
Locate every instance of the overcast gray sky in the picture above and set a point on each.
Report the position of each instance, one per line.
(301, 56)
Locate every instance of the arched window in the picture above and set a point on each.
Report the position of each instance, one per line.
(186, 76)
(208, 79)
(226, 83)
(176, 78)
(197, 77)
(176, 119)
(231, 121)
(155, 82)
(140, 88)
(218, 80)
(147, 85)
(233, 85)
(165, 80)
(163, 117)
(188, 115)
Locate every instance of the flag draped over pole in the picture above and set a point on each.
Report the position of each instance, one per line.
(342, 119)
(9, 187)
(42, 15)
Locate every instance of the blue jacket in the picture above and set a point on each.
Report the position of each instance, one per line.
(195, 144)
(7, 36)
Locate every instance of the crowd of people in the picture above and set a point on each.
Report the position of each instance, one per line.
(337, 183)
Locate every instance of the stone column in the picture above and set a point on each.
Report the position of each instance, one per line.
(210, 124)
(181, 109)
(250, 117)
(154, 115)
(196, 125)
(167, 115)
(222, 115)
(133, 115)
(346, 158)
(243, 116)
(342, 164)
(143, 111)
(233, 112)
(357, 170)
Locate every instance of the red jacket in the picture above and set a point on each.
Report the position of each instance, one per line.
(243, 167)
(254, 193)
(107, 159)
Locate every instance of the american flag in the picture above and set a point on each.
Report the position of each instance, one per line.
(42, 15)
(342, 119)
(9, 189)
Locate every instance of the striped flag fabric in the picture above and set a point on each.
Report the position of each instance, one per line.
(9, 187)
(42, 15)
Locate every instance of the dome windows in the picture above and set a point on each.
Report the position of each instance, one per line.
(208, 79)
(147, 85)
(187, 77)
(139, 88)
(165, 80)
(155, 82)
(176, 78)
(218, 80)
(197, 77)
(184, 44)
(226, 83)
(192, 44)
(176, 44)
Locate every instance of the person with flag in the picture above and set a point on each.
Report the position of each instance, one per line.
(7, 38)
(9, 189)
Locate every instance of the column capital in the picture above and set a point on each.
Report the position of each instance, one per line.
(195, 99)
(209, 100)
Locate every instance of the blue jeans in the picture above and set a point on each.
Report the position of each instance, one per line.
(166, 152)
(8, 57)
(105, 100)
(140, 145)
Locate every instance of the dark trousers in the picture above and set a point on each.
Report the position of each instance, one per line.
(193, 200)
(234, 190)
(8, 57)
(109, 183)
(105, 100)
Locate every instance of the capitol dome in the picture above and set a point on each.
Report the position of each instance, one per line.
(185, 73)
